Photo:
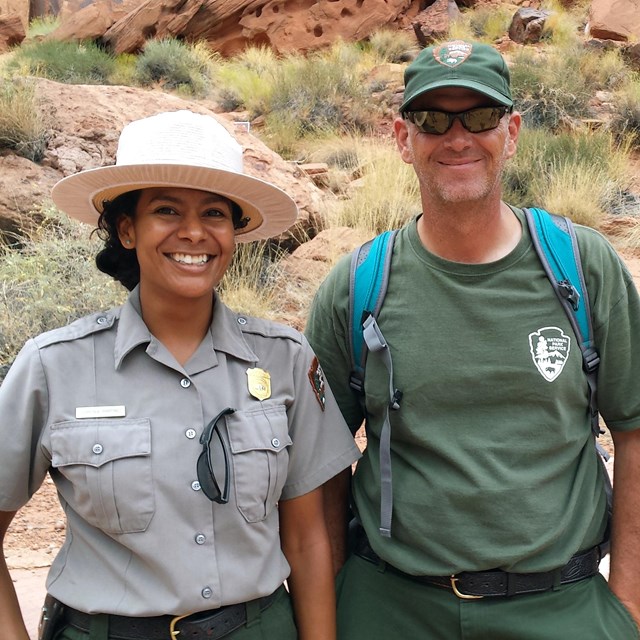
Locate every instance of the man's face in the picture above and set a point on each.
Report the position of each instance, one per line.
(457, 166)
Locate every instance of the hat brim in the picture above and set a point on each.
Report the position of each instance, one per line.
(465, 84)
(269, 209)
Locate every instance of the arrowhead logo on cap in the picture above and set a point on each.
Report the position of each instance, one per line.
(451, 54)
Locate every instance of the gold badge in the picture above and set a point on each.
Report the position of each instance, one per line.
(259, 383)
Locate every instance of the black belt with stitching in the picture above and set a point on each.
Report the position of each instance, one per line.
(209, 625)
(495, 583)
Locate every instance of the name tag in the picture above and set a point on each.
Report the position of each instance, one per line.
(116, 411)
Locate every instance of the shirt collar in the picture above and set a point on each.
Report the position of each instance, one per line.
(225, 334)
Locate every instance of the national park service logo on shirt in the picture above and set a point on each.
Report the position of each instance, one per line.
(549, 348)
(453, 53)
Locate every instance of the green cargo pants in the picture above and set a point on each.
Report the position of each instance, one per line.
(274, 623)
(374, 604)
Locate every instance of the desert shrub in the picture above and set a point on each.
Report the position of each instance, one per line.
(386, 45)
(42, 26)
(548, 87)
(70, 62)
(175, 66)
(580, 175)
(50, 281)
(317, 96)
(124, 70)
(488, 23)
(626, 116)
(604, 69)
(23, 125)
(250, 283)
(387, 194)
(244, 81)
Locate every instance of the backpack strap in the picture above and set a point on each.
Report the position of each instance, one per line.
(555, 242)
(368, 280)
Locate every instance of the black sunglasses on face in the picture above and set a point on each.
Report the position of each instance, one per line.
(204, 467)
(439, 122)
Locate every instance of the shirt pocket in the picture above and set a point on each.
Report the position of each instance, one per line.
(258, 440)
(108, 463)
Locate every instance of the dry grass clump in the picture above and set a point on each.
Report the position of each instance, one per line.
(49, 281)
(24, 128)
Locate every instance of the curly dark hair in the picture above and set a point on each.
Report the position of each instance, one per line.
(120, 263)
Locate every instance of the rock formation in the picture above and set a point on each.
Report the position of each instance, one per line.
(615, 19)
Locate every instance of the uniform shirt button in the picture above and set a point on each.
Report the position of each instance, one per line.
(190, 433)
(207, 592)
(242, 320)
(275, 443)
(195, 485)
(185, 383)
(201, 538)
(102, 320)
(97, 449)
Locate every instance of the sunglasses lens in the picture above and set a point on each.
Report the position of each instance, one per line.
(207, 480)
(431, 121)
(474, 120)
(482, 119)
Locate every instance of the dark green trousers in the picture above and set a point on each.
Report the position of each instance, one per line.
(274, 623)
(374, 604)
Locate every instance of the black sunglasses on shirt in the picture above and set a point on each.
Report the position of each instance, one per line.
(207, 478)
(473, 120)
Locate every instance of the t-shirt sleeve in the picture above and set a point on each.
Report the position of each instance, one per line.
(615, 308)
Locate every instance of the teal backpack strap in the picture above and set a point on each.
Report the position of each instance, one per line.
(368, 280)
(555, 242)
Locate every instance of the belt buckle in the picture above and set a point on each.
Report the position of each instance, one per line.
(462, 596)
(173, 634)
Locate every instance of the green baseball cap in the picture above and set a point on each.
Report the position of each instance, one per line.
(458, 64)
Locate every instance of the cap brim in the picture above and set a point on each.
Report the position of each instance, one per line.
(269, 209)
(465, 84)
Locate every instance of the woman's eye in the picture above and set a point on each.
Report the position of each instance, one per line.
(166, 211)
(215, 213)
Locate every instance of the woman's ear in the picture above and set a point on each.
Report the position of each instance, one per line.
(126, 232)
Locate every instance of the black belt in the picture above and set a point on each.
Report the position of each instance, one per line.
(471, 585)
(209, 625)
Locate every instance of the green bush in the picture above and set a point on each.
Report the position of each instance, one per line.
(23, 125)
(580, 175)
(317, 96)
(174, 65)
(245, 81)
(50, 281)
(626, 115)
(69, 62)
(549, 88)
(386, 45)
(43, 26)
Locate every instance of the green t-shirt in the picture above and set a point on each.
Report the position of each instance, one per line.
(492, 452)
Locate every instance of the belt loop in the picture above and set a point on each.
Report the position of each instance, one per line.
(253, 612)
(511, 584)
(557, 579)
(99, 628)
(382, 565)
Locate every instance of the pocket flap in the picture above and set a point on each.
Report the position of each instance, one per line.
(264, 429)
(96, 442)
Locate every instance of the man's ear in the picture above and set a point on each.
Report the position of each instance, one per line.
(401, 132)
(515, 122)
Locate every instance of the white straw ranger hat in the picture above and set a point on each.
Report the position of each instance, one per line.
(179, 149)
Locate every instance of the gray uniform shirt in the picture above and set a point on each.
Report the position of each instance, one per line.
(110, 414)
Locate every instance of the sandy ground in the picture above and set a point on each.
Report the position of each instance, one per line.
(37, 533)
